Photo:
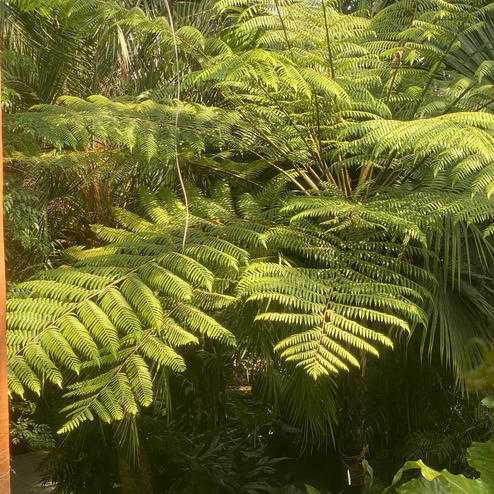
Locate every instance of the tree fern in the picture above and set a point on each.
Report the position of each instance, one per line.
(117, 314)
(361, 114)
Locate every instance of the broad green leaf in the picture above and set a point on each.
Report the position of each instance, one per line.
(481, 457)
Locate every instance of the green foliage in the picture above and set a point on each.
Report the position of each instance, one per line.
(347, 162)
(28, 243)
(432, 481)
(479, 377)
(425, 415)
(126, 307)
(116, 316)
(88, 47)
(328, 93)
(177, 456)
(353, 107)
(86, 461)
(26, 431)
(223, 462)
(307, 406)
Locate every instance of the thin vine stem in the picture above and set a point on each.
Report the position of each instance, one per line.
(177, 112)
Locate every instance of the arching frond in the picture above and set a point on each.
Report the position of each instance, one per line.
(116, 315)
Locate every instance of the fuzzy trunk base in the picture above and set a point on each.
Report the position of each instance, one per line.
(134, 479)
(352, 444)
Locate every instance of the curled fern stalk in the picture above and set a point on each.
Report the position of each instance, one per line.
(110, 320)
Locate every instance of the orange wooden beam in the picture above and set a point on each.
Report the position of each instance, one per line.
(4, 400)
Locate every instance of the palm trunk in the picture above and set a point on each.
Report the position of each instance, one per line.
(4, 401)
(352, 443)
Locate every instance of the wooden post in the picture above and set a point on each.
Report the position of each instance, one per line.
(4, 400)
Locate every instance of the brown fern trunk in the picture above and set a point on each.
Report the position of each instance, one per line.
(352, 442)
(133, 479)
(4, 401)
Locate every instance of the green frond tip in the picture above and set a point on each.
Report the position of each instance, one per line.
(332, 315)
(200, 322)
(143, 300)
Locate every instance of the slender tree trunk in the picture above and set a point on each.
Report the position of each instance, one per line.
(4, 400)
(352, 442)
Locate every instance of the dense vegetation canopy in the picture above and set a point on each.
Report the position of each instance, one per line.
(249, 243)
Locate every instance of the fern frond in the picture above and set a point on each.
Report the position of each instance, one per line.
(116, 316)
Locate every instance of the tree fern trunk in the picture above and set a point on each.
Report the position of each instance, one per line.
(352, 443)
(133, 479)
(4, 402)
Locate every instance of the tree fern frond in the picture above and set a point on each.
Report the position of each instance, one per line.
(109, 319)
